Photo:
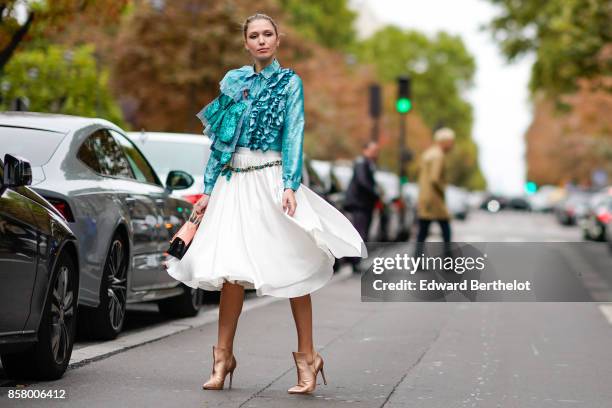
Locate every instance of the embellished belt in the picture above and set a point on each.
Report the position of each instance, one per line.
(228, 169)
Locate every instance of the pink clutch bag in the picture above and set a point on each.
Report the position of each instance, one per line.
(180, 242)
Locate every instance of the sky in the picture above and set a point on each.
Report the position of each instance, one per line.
(502, 112)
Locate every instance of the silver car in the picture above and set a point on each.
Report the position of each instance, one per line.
(114, 202)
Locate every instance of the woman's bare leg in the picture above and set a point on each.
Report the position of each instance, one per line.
(301, 307)
(230, 306)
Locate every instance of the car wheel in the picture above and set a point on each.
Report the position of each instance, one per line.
(49, 357)
(106, 321)
(185, 305)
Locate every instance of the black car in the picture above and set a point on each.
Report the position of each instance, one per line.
(39, 279)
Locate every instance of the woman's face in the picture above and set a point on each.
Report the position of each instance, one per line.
(261, 39)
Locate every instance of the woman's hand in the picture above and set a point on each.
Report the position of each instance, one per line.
(289, 203)
(199, 207)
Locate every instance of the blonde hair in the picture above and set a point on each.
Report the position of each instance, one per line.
(258, 16)
(444, 134)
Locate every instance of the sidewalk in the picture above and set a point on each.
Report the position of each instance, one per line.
(376, 354)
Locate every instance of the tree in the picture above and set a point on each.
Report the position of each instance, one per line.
(328, 22)
(569, 39)
(60, 80)
(442, 70)
(47, 17)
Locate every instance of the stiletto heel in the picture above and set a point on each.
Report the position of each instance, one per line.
(323, 375)
(224, 363)
(307, 373)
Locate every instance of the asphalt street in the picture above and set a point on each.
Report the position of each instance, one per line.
(376, 354)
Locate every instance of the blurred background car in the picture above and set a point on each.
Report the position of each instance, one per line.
(573, 207)
(114, 202)
(393, 215)
(457, 202)
(493, 203)
(598, 216)
(39, 279)
(545, 198)
(518, 203)
(608, 228)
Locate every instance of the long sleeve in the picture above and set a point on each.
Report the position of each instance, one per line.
(361, 176)
(213, 168)
(437, 175)
(293, 135)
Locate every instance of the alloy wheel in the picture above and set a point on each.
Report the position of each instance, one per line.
(62, 313)
(117, 284)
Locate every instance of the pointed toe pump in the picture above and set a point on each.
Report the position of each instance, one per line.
(307, 373)
(224, 363)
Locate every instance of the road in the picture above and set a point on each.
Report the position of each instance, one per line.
(376, 354)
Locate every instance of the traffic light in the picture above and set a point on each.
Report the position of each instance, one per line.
(404, 103)
(531, 187)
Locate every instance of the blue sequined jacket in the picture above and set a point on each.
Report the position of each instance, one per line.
(270, 115)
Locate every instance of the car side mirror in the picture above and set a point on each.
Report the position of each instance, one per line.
(17, 171)
(179, 180)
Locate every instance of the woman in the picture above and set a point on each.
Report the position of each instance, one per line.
(260, 227)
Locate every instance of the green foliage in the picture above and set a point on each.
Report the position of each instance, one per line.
(26, 21)
(60, 80)
(567, 36)
(441, 69)
(328, 22)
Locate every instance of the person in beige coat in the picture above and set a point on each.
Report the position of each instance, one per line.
(431, 205)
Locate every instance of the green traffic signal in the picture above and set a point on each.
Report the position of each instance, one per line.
(403, 105)
(531, 187)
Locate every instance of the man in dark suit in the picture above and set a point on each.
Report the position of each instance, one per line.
(361, 195)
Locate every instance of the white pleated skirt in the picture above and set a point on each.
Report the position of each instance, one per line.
(245, 237)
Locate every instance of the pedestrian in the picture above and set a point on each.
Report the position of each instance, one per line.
(260, 227)
(361, 194)
(431, 204)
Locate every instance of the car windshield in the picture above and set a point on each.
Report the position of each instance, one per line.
(36, 146)
(165, 156)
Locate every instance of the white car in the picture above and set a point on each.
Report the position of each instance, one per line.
(171, 151)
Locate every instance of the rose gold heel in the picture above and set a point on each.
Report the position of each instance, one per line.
(307, 373)
(323, 375)
(224, 363)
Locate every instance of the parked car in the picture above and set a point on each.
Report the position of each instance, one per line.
(393, 215)
(189, 153)
(39, 279)
(609, 227)
(572, 208)
(598, 216)
(457, 200)
(117, 207)
(167, 151)
(518, 203)
(494, 203)
(545, 199)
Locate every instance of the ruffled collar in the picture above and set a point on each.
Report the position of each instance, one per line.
(266, 72)
(239, 78)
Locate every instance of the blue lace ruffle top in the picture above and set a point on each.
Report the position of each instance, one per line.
(271, 117)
